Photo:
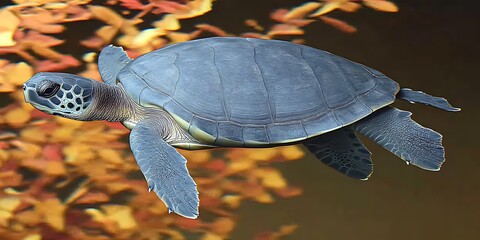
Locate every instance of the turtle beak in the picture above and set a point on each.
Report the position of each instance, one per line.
(31, 97)
(26, 92)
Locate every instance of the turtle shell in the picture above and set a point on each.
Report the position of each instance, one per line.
(253, 92)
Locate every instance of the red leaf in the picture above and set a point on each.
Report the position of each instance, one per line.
(132, 4)
(187, 224)
(43, 40)
(168, 7)
(279, 15)
(217, 165)
(213, 29)
(94, 42)
(52, 152)
(54, 66)
(340, 25)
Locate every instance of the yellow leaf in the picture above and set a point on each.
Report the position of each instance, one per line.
(350, 6)
(381, 5)
(33, 237)
(17, 116)
(106, 15)
(232, 201)
(106, 33)
(29, 217)
(89, 57)
(111, 156)
(8, 26)
(78, 153)
(287, 229)
(62, 134)
(19, 73)
(55, 5)
(328, 7)
(199, 157)
(265, 154)
(264, 197)
(240, 165)
(3, 155)
(55, 168)
(292, 152)
(33, 135)
(302, 10)
(177, 37)
(146, 36)
(271, 178)
(121, 215)
(169, 22)
(285, 29)
(196, 8)
(9, 204)
(222, 226)
(52, 212)
(211, 236)
(65, 122)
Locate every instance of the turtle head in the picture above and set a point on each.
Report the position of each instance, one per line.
(60, 94)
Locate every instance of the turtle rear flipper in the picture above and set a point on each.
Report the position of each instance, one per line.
(421, 97)
(397, 132)
(343, 151)
(164, 169)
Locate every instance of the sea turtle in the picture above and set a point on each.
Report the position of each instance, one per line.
(241, 92)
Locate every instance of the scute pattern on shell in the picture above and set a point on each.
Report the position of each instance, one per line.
(253, 92)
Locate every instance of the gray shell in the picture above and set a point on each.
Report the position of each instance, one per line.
(252, 92)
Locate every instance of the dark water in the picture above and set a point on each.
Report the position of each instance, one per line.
(430, 46)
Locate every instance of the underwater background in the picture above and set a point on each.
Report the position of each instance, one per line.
(62, 179)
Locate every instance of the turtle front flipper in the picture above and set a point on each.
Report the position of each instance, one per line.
(421, 97)
(110, 61)
(164, 169)
(343, 151)
(394, 130)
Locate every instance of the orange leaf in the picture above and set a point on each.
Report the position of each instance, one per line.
(185, 223)
(381, 5)
(254, 24)
(106, 15)
(279, 15)
(93, 197)
(350, 6)
(52, 212)
(328, 7)
(195, 8)
(302, 10)
(288, 192)
(285, 29)
(254, 35)
(340, 25)
(222, 226)
(17, 116)
(53, 152)
(210, 28)
(8, 26)
(292, 152)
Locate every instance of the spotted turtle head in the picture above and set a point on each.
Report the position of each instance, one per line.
(60, 94)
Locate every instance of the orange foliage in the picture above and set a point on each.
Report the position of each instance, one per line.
(62, 179)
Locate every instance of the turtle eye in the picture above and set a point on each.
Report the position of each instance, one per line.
(47, 88)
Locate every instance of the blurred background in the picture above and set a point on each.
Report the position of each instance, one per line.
(67, 180)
